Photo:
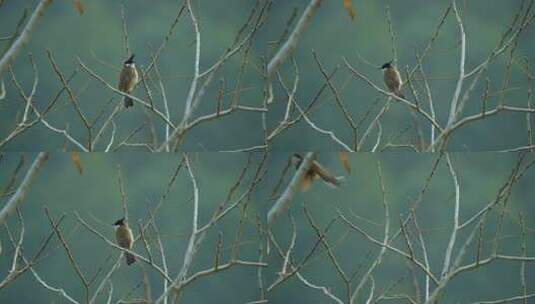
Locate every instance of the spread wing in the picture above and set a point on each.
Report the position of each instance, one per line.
(307, 181)
(344, 159)
(325, 175)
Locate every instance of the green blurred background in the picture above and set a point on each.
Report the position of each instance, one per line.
(96, 37)
(95, 196)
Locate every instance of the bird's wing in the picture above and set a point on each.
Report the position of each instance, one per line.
(124, 237)
(344, 159)
(392, 80)
(325, 175)
(307, 181)
(399, 81)
(136, 77)
(123, 80)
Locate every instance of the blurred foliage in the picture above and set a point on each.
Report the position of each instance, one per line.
(95, 196)
(96, 37)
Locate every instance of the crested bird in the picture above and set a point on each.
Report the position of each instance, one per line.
(315, 171)
(125, 239)
(392, 79)
(128, 79)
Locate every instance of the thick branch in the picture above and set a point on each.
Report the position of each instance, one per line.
(283, 203)
(291, 43)
(20, 194)
(24, 37)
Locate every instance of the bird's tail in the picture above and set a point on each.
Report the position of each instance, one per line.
(130, 258)
(128, 102)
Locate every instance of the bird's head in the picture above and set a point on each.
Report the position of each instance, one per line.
(296, 160)
(130, 60)
(119, 222)
(387, 65)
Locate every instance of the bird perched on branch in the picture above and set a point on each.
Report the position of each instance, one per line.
(315, 171)
(128, 80)
(125, 239)
(392, 79)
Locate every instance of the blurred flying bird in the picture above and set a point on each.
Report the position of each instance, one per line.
(128, 80)
(343, 156)
(392, 79)
(315, 171)
(125, 238)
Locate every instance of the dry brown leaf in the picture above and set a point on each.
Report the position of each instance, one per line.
(77, 162)
(349, 9)
(79, 6)
(344, 159)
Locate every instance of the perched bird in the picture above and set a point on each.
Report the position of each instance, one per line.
(392, 79)
(315, 171)
(125, 238)
(128, 80)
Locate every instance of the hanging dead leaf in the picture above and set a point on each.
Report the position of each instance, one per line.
(77, 162)
(79, 6)
(344, 159)
(349, 9)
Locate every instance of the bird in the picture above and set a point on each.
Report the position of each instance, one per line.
(392, 79)
(125, 238)
(315, 171)
(343, 157)
(128, 79)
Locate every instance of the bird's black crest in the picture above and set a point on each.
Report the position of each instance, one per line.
(119, 222)
(130, 60)
(297, 160)
(387, 65)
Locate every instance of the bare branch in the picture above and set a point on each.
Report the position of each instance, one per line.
(453, 236)
(24, 37)
(17, 198)
(379, 258)
(284, 201)
(455, 100)
(294, 37)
